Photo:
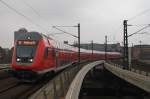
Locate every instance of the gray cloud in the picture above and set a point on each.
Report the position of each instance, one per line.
(97, 17)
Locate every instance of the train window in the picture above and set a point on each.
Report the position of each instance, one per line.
(46, 52)
(57, 52)
(48, 41)
(53, 52)
(26, 51)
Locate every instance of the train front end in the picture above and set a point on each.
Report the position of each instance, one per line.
(27, 55)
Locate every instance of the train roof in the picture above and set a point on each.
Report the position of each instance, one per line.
(55, 43)
(61, 45)
(28, 35)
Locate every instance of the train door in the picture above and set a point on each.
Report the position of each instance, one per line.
(57, 57)
(51, 56)
(45, 57)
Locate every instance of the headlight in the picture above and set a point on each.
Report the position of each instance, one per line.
(31, 60)
(18, 59)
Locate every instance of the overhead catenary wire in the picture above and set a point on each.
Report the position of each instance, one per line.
(35, 11)
(21, 14)
(139, 30)
(32, 8)
(134, 17)
(65, 32)
(138, 24)
(139, 14)
(54, 34)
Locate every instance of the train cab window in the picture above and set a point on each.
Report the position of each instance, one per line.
(26, 50)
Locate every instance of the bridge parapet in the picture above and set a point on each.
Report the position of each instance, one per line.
(132, 69)
(74, 90)
(138, 78)
(58, 86)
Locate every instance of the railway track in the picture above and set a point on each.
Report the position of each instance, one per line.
(4, 74)
(11, 88)
(15, 91)
(3, 71)
(7, 83)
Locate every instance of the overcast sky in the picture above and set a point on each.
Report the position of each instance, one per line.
(97, 18)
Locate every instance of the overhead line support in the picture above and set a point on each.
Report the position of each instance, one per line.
(125, 52)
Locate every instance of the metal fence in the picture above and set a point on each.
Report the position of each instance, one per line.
(57, 87)
(132, 69)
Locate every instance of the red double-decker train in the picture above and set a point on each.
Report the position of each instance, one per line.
(35, 54)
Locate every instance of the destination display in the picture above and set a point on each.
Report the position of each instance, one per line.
(27, 42)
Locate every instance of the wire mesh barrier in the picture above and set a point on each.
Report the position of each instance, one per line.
(57, 87)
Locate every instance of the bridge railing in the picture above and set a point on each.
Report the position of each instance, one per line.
(75, 87)
(131, 69)
(58, 86)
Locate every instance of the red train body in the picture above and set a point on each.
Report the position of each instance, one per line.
(35, 53)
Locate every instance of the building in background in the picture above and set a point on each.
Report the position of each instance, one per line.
(141, 52)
